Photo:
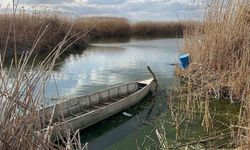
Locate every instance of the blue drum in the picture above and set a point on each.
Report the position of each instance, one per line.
(184, 60)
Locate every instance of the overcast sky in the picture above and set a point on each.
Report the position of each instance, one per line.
(131, 9)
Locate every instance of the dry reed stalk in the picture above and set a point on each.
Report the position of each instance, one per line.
(105, 27)
(28, 27)
(220, 54)
(22, 91)
(162, 137)
(147, 28)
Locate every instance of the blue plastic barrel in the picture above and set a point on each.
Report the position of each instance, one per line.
(184, 60)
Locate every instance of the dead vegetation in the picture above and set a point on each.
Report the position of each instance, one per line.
(29, 25)
(220, 65)
(170, 29)
(22, 87)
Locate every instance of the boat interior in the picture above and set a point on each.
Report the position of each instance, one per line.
(74, 107)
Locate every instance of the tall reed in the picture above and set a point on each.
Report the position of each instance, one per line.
(105, 27)
(22, 87)
(220, 55)
(29, 25)
(149, 28)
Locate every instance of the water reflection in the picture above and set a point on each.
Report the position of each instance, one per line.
(111, 130)
(102, 65)
(107, 63)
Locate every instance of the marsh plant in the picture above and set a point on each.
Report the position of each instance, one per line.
(30, 24)
(22, 87)
(220, 67)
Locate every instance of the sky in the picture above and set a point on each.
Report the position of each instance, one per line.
(137, 10)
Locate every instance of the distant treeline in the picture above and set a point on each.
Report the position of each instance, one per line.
(21, 32)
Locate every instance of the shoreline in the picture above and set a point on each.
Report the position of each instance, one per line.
(43, 33)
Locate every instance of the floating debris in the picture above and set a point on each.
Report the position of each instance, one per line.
(173, 64)
(127, 114)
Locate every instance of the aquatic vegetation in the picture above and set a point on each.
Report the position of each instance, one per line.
(22, 92)
(170, 29)
(29, 25)
(220, 67)
(104, 27)
(24, 34)
(22, 89)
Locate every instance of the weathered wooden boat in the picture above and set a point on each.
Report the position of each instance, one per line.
(84, 111)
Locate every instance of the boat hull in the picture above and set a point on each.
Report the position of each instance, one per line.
(87, 119)
(91, 118)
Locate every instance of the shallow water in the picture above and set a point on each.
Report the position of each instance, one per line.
(105, 64)
(109, 62)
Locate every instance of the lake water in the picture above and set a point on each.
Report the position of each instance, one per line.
(109, 62)
(106, 63)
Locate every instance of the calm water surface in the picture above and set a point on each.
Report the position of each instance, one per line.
(104, 64)
(107, 63)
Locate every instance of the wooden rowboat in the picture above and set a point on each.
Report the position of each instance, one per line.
(84, 111)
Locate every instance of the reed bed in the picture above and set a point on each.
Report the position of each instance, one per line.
(29, 25)
(105, 27)
(220, 67)
(170, 29)
(22, 87)
(22, 93)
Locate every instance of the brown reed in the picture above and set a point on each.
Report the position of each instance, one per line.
(220, 61)
(22, 88)
(149, 28)
(29, 25)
